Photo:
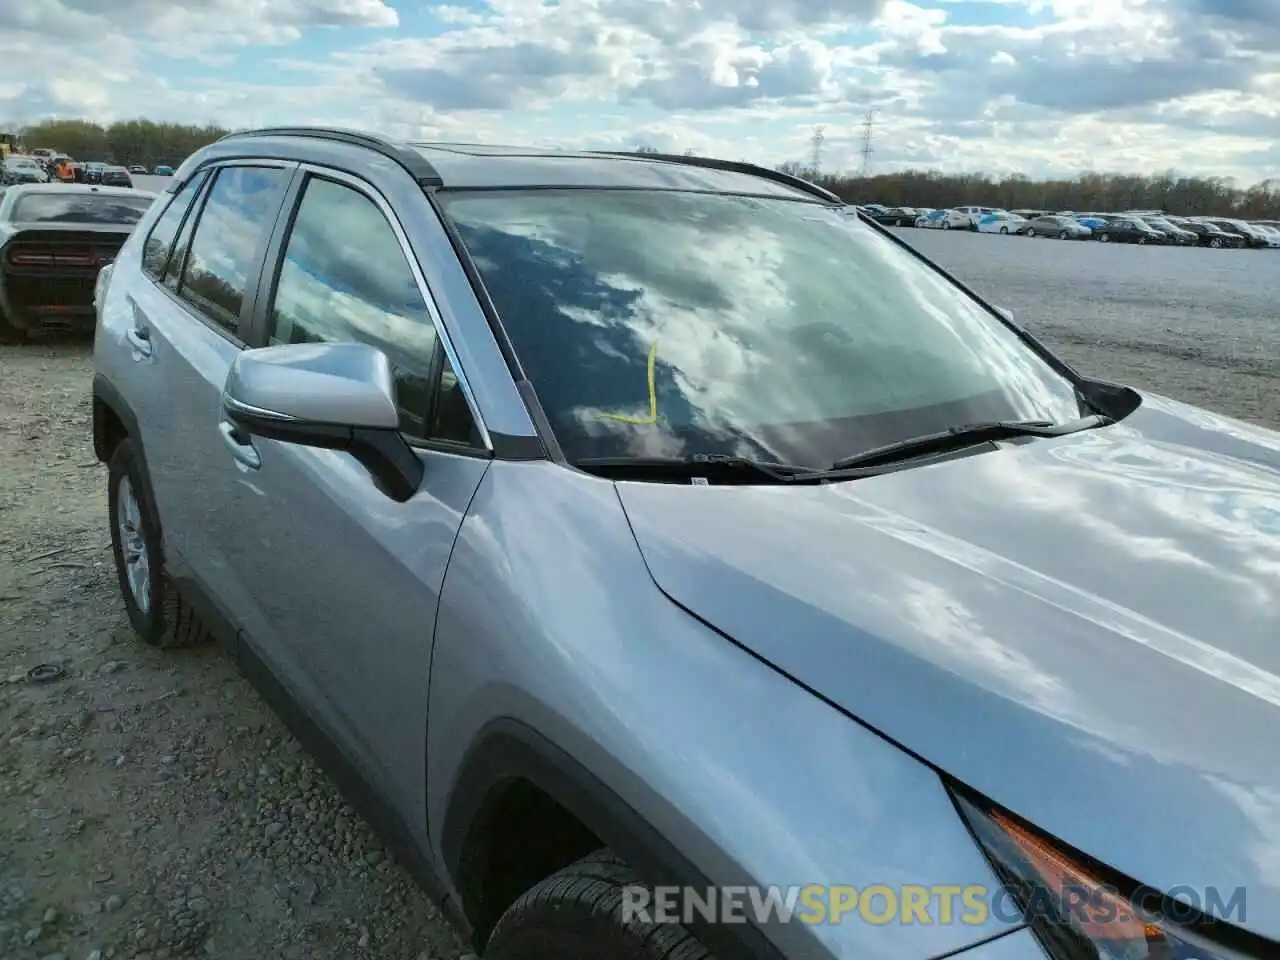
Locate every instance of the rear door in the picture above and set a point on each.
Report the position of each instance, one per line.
(342, 582)
(189, 326)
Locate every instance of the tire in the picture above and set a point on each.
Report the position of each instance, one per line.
(946, 224)
(156, 610)
(1062, 235)
(1215, 242)
(1104, 238)
(1005, 231)
(10, 334)
(577, 914)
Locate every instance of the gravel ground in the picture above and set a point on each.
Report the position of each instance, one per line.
(152, 806)
(1196, 324)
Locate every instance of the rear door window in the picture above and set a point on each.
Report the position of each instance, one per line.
(230, 240)
(159, 245)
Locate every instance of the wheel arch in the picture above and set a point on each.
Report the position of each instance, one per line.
(516, 785)
(113, 420)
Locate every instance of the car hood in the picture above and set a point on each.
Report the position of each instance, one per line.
(1085, 629)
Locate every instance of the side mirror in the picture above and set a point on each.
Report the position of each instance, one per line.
(336, 396)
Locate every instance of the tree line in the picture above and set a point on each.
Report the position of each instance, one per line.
(126, 143)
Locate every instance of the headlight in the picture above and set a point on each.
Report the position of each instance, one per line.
(1078, 916)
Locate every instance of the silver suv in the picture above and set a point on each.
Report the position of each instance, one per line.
(673, 566)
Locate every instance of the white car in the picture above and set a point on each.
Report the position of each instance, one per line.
(958, 219)
(1269, 233)
(932, 220)
(974, 214)
(1001, 222)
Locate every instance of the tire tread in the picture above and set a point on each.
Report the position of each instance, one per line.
(592, 890)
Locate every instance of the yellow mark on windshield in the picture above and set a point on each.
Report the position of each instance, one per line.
(653, 395)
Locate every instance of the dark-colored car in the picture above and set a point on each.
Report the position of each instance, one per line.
(1062, 228)
(1173, 233)
(1248, 236)
(93, 171)
(897, 217)
(1128, 230)
(1209, 235)
(53, 242)
(115, 177)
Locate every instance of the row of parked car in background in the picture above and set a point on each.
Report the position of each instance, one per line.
(59, 168)
(1131, 226)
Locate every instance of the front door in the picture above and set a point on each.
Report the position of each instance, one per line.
(345, 581)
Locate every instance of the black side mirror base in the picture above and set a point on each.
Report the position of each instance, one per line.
(395, 468)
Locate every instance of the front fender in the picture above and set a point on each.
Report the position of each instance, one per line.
(711, 765)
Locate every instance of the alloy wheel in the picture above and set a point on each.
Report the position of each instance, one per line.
(133, 545)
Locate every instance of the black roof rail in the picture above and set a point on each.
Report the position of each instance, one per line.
(414, 163)
(731, 166)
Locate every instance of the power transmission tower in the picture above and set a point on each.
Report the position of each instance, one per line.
(819, 137)
(868, 132)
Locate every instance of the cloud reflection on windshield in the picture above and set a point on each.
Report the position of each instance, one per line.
(782, 328)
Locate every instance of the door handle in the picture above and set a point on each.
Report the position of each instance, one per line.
(140, 340)
(241, 446)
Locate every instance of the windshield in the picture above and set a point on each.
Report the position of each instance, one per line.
(80, 208)
(666, 324)
(21, 163)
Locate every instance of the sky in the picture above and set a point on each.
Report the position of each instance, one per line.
(1039, 87)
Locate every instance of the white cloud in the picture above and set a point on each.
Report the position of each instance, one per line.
(1042, 86)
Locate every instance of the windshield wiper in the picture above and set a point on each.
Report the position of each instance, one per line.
(718, 466)
(965, 435)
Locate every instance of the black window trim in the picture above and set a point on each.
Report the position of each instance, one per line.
(269, 279)
(242, 335)
(182, 239)
(182, 221)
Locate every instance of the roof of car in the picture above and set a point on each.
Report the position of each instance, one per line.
(465, 166)
(481, 166)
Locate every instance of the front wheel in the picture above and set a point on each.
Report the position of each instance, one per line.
(1104, 238)
(1062, 235)
(1215, 242)
(946, 224)
(594, 909)
(1004, 230)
